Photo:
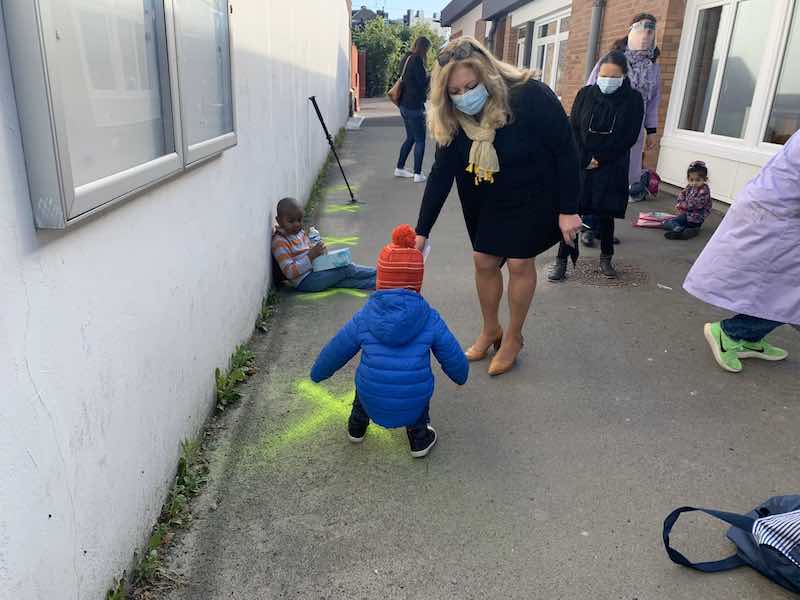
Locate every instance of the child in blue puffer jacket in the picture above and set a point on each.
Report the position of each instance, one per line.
(395, 332)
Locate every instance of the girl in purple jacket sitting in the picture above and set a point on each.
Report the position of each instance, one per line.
(694, 204)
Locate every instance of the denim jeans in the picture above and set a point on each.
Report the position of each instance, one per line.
(414, 120)
(359, 416)
(680, 223)
(747, 328)
(352, 276)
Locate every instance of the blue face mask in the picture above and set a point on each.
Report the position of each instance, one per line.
(472, 101)
(609, 85)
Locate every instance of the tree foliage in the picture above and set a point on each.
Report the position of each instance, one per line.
(385, 46)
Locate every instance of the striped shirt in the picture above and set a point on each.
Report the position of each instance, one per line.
(781, 532)
(291, 254)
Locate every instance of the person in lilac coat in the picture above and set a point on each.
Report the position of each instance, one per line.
(644, 73)
(751, 265)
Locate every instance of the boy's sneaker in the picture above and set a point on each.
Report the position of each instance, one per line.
(419, 178)
(421, 441)
(763, 350)
(725, 350)
(356, 431)
(403, 173)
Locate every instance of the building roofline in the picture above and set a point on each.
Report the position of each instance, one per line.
(492, 9)
(455, 10)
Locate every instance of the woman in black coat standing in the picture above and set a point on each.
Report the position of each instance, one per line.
(606, 118)
(412, 108)
(506, 142)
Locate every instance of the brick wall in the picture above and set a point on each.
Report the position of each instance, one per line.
(616, 22)
(510, 49)
(480, 31)
(502, 30)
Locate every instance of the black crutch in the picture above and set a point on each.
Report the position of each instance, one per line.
(333, 147)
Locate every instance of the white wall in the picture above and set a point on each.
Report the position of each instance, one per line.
(110, 332)
(537, 9)
(466, 23)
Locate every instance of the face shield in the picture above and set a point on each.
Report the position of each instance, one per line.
(642, 36)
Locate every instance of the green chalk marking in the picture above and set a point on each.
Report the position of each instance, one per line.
(341, 187)
(342, 241)
(342, 208)
(332, 292)
(327, 410)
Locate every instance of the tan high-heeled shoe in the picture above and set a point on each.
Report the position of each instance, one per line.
(500, 367)
(475, 354)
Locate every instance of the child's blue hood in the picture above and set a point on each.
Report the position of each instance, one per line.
(395, 317)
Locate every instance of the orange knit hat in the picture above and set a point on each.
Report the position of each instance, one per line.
(400, 264)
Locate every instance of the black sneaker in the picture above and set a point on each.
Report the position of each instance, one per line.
(421, 441)
(587, 237)
(356, 429)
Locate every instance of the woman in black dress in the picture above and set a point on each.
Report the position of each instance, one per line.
(412, 108)
(607, 118)
(506, 142)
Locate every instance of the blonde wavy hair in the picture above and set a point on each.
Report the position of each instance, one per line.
(497, 76)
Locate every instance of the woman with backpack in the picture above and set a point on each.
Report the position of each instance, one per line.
(414, 92)
(606, 119)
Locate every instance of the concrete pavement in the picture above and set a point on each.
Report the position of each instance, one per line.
(549, 483)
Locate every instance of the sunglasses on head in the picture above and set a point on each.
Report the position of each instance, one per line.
(460, 52)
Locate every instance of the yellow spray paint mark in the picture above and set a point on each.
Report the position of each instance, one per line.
(342, 208)
(341, 187)
(332, 292)
(351, 240)
(327, 410)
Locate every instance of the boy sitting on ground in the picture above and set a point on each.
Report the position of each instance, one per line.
(292, 250)
(395, 332)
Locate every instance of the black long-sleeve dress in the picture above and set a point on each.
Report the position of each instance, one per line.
(539, 178)
(606, 127)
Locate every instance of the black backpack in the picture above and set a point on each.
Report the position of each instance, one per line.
(767, 539)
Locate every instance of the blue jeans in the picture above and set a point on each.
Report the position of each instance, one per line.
(747, 328)
(352, 276)
(414, 120)
(680, 223)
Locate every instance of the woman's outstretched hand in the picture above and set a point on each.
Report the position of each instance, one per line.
(420, 244)
(570, 226)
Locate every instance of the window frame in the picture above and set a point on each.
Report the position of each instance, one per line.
(32, 32)
(556, 39)
(764, 91)
(521, 47)
(200, 151)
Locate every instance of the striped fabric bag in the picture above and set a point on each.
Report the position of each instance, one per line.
(767, 539)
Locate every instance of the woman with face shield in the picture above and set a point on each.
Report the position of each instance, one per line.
(644, 73)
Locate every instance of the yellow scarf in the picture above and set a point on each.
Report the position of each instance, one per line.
(483, 161)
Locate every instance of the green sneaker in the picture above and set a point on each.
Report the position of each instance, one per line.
(725, 350)
(763, 350)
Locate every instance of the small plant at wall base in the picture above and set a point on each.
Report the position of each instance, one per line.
(269, 306)
(241, 367)
(316, 194)
(118, 591)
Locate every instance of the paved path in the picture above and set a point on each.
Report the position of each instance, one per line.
(549, 483)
